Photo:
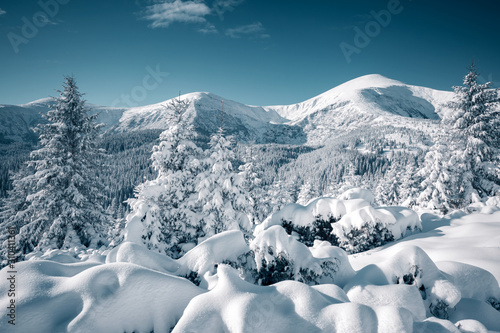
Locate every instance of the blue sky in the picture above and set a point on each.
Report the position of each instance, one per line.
(258, 52)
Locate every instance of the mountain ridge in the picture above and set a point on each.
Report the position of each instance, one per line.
(367, 100)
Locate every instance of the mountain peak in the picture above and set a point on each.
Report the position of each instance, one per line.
(371, 81)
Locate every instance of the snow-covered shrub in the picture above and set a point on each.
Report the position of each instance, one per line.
(364, 238)
(352, 224)
(369, 227)
(203, 260)
(279, 257)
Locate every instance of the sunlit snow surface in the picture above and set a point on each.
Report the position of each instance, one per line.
(396, 288)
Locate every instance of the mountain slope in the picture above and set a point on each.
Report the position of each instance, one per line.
(247, 123)
(369, 100)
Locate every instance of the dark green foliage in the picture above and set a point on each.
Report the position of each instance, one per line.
(439, 310)
(329, 268)
(369, 236)
(494, 303)
(280, 269)
(193, 277)
(319, 230)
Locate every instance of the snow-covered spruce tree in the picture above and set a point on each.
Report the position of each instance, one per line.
(59, 204)
(163, 213)
(251, 173)
(475, 121)
(441, 174)
(225, 202)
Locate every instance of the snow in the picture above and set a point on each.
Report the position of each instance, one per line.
(472, 281)
(470, 239)
(480, 311)
(355, 210)
(203, 259)
(372, 100)
(288, 306)
(268, 244)
(114, 297)
(450, 270)
(368, 100)
(305, 215)
(409, 265)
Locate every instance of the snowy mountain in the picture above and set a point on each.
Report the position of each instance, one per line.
(17, 121)
(368, 100)
(247, 123)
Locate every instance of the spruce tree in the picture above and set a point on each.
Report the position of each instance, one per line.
(440, 178)
(56, 202)
(475, 124)
(224, 201)
(165, 207)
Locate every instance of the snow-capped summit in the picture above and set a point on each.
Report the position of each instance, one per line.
(374, 92)
(367, 100)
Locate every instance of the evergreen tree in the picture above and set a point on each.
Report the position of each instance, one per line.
(306, 193)
(225, 202)
(475, 121)
(409, 184)
(251, 172)
(165, 207)
(439, 184)
(56, 203)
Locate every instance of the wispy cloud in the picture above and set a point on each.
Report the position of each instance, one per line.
(164, 14)
(209, 28)
(223, 6)
(254, 30)
(2, 11)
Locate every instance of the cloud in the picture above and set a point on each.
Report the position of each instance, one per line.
(208, 29)
(164, 14)
(2, 11)
(223, 6)
(255, 30)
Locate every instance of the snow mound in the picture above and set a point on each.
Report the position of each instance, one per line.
(411, 266)
(115, 297)
(137, 254)
(472, 281)
(237, 306)
(203, 259)
(471, 309)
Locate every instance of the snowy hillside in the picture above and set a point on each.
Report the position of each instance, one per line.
(248, 123)
(17, 121)
(368, 100)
